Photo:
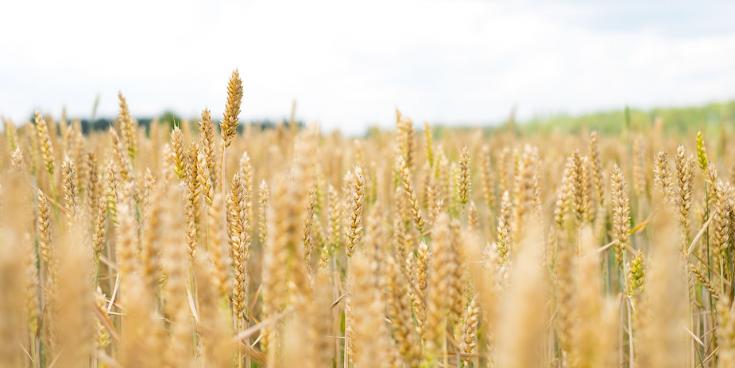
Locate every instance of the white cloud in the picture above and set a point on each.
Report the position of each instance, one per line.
(350, 63)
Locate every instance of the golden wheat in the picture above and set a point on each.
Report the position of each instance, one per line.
(150, 248)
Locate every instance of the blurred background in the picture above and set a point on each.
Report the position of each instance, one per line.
(349, 64)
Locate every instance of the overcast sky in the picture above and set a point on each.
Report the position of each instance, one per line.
(349, 64)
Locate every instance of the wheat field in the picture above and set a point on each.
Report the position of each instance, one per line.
(219, 244)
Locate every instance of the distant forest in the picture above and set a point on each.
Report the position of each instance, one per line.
(167, 118)
(719, 115)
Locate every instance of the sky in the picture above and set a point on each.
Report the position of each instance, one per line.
(350, 64)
